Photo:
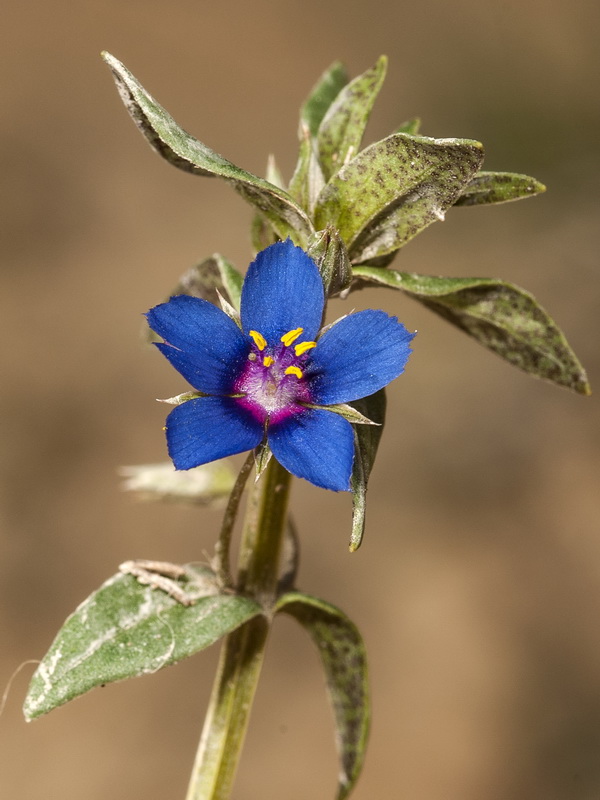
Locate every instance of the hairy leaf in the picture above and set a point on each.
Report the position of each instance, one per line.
(501, 316)
(344, 660)
(322, 95)
(126, 629)
(187, 153)
(498, 187)
(341, 130)
(394, 189)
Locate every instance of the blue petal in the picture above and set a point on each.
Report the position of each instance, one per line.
(211, 349)
(282, 291)
(209, 428)
(357, 356)
(316, 445)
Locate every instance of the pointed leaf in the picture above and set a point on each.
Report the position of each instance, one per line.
(341, 130)
(322, 95)
(344, 410)
(344, 660)
(187, 153)
(307, 180)
(394, 189)
(329, 253)
(366, 442)
(126, 629)
(498, 187)
(209, 484)
(211, 277)
(411, 126)
(501, 316)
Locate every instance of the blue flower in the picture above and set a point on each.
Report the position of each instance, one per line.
(256, 381)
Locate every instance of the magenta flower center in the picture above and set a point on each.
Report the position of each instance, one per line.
(272, 385)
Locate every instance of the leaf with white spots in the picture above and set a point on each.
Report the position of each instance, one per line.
(126, 629)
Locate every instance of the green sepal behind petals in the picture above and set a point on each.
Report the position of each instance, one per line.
(210, 278)
(394, 189)
(126, 629)
(366, 442)
(501, 316)
(344, 660)
(346, 411)
(341, 130)
(498, 187)
(187, 153)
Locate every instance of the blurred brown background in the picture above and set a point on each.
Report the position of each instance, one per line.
(478, 586)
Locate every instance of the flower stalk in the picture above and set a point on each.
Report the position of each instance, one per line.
(243, 650)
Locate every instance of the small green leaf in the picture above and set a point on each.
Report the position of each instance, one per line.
(261, 233)
(394, 189)
(344, 660)
(341, 129)
(322, 95)
(209, 484)
(307, 180)
(366, 442)
(411, 126)
(498, 187)
(211, 277)
(329, 253)
(501, 316)
(187, 153)
(126, 629)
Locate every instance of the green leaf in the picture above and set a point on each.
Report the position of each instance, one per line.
(344, 660)
(307, 180)
(126, 629)
(329, 253)
(261, 233)
(498, 187)
(187, 153)
(394, 189)
(501, 316)
(341, 129)
(209, 484)
(344, 410)
(211, 277)
(322, 95)
(366, 442)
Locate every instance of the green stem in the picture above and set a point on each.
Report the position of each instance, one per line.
(243, 651)
(222, 564)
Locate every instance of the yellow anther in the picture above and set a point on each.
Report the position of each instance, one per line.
(294, 371)
(291, 336)
(303, 347)
(259, 339)
(268, 360)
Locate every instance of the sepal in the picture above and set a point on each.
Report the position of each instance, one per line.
(208, 485)
(329, 253)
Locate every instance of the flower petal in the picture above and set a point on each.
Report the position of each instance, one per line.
(315, 445)
(282, 291)
(207, 429)
(211, 349)
(360, 354)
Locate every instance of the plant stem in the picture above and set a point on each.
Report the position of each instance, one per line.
(243, 650)
(222, 563)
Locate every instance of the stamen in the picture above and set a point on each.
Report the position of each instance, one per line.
(268, 360)
(303, 347)
(294, 371)
(259, 339)
(291, 336)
